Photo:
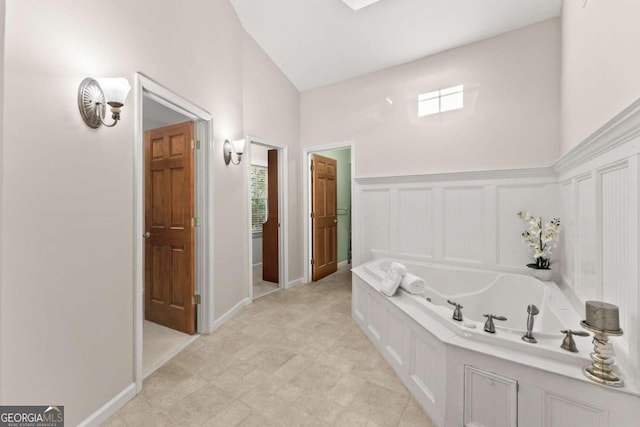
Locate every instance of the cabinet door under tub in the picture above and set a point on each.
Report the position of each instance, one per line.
(490, 400)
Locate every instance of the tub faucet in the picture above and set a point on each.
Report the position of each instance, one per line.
(488, 325)
(457, 313)
(568, 343)
(528, 337)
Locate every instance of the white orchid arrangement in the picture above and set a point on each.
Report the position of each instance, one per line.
(541, 241)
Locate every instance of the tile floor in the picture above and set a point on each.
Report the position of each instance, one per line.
(260, 287)
(158, 343)
(292, 358)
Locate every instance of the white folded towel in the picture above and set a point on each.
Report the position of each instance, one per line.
(392, 279)
(412, 284)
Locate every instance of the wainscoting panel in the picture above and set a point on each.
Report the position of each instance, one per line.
(374, 215)
(560, 411)
(568, 222)
(415, 225)
(464, 216)
(588, 234)
(460, 219)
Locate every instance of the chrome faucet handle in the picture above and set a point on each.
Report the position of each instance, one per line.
(457, 313)
(533, 310)
(568, 343)
(488, 325)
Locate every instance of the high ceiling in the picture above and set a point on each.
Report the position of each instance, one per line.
(318, 42)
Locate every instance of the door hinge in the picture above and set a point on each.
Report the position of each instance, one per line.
(312, 263)
(313, 215)
(195, 222)
(195, 144)
(196, 299)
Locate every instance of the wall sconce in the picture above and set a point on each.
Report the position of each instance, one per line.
(235, 147)
(95, 94)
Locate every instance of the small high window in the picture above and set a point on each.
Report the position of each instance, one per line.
(439, 101)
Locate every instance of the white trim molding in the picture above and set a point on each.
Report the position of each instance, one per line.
(111, 407)
(623, 128)
(145, 87)
(541, 172)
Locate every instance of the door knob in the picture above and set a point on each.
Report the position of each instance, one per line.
(146, 235)
(335, 220)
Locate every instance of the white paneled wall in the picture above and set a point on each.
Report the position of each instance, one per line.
(463, 219)
(599, 190)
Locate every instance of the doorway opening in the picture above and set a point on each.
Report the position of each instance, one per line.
(169, 316)
(328, 209)
(172, 301)
(267, 217)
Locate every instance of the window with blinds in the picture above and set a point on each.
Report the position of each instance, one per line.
(258, 197)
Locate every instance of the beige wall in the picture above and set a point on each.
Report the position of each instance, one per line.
(271, 112)
(600, 66)
(510, 119)
(66, 314)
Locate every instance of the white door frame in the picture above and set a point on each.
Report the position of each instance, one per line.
(203, 199)
(283, 202)
(306, 197)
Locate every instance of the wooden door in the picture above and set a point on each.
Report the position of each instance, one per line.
(169, 246)
(270, 228)
(324, 198)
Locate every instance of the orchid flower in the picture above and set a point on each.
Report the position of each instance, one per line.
(541, 241)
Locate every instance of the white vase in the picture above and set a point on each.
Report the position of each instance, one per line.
(541, 274)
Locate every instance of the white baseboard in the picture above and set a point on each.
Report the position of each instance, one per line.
(229, 314)
(111, 407)
(293, 283)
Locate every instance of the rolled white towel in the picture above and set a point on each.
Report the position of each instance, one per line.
(392, 279)
(412, 284)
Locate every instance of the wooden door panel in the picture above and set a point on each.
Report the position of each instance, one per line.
(177, 145)
(157, 210)
(178, 209)
(324, 219)
(169, 207)
(270, 229)
(158, 278)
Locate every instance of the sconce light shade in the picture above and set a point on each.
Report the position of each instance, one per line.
(95, 94)
(233, 147)
(238, 146)
(115, 89)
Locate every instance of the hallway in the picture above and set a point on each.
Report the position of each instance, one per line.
(291, 358)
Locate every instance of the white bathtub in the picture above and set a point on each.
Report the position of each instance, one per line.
(487, 292)
(455, 370)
